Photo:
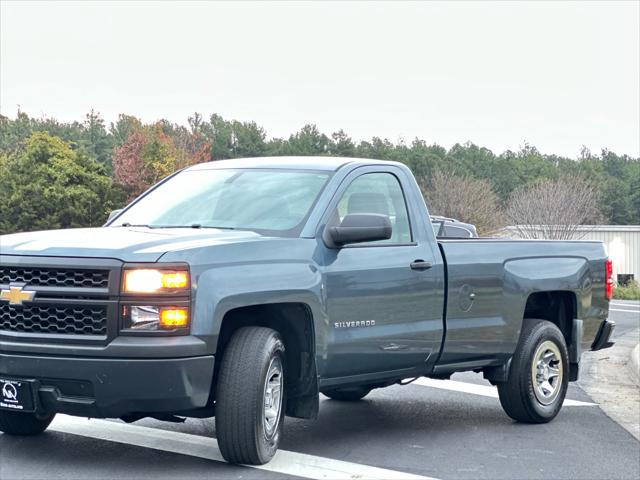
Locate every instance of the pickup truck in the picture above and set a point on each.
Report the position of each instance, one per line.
(451, 228)
(243, 289)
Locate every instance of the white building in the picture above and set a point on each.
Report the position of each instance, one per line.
(621, 241)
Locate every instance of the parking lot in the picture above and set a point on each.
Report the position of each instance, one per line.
(429, 429)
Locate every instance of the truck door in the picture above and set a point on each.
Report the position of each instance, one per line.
(384, 307)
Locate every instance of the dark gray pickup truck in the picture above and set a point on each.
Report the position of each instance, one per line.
(242, 289)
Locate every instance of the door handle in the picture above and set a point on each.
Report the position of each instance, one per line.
(421, 265)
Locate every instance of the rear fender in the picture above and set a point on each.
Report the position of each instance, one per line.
(523, 277)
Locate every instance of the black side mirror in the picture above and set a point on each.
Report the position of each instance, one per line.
(358, 228)
(113, 214)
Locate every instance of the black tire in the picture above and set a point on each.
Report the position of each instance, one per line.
(351, 394)
(523, 397)
(24, 424)
(241, 428)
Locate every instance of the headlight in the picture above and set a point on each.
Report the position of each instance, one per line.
(148, 280)
(155, 301)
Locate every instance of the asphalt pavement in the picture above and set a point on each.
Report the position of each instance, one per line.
(610, 377)
(429, 429)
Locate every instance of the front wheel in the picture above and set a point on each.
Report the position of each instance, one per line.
(538, 376)
(24, 424)
(250, 396)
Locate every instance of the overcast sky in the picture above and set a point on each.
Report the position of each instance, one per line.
(554, 75)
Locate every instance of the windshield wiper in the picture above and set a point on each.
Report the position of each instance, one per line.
(127, 224)
(194, 225)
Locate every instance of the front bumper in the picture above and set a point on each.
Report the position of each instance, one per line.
(603, 337)
(112, 388)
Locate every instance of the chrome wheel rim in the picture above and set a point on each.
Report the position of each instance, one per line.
(546, 372)
(272, 398)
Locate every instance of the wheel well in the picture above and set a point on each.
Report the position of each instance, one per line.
(557, 307)
(294, 323)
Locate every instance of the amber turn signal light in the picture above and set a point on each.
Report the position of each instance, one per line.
(174, 317)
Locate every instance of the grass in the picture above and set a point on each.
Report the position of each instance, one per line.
(629, 292)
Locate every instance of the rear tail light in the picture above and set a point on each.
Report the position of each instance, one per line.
(608, 290)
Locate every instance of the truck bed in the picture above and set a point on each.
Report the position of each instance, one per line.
(496, 276)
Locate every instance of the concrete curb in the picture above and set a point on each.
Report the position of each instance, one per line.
(635, 362)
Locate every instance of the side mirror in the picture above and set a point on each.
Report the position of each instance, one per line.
(113, 214)
(358, 228)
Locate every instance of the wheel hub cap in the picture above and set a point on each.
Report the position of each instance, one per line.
(272, 398)
(546, 372)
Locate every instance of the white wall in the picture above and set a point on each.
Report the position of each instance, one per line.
(621, 241)
(623, 246)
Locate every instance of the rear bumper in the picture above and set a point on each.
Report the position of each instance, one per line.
(102, 387)
(603, 337)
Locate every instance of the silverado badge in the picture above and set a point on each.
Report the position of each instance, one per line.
(15, 295)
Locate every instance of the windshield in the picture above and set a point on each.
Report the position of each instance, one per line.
(274, 201)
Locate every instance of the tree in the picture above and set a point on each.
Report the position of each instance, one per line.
(554, 209)
(124, 126)
(221, 138)
(308, 141)
(13, 133)
(159, 157)
(341, 145)
(466, 199)
(96, 140)
(146, 157)
(191, 146)
(616, 177)
(128, 164)
(49, 185)
(377, 148)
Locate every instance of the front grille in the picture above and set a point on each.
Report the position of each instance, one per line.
(54, 319)
(55, 277)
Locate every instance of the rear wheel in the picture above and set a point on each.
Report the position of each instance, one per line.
(250, 396)
(538, 376)
(24, 424)
(351, 394)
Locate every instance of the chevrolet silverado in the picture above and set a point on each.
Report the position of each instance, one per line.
(243, 289)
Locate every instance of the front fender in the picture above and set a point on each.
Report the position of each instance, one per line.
(221, 289)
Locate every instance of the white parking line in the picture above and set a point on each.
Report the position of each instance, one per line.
(284, 462)
(622, 310)
(484, 390)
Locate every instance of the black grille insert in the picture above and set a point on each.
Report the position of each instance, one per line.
(55, 277)
(54, 319)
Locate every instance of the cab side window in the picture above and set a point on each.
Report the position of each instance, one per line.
(379, 193)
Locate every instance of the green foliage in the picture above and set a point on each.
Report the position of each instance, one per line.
(233, 139)
(89, 137)
(628, 292)
(342, 145)
(308, 142)
(96, 140)
(123, 128)
(49, 185)
(138, 154)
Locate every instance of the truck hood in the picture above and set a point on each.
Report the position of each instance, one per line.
(129, 244)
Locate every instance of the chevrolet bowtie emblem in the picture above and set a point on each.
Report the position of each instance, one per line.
(15, 295)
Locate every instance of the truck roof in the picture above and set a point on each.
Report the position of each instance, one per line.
(298, 163)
